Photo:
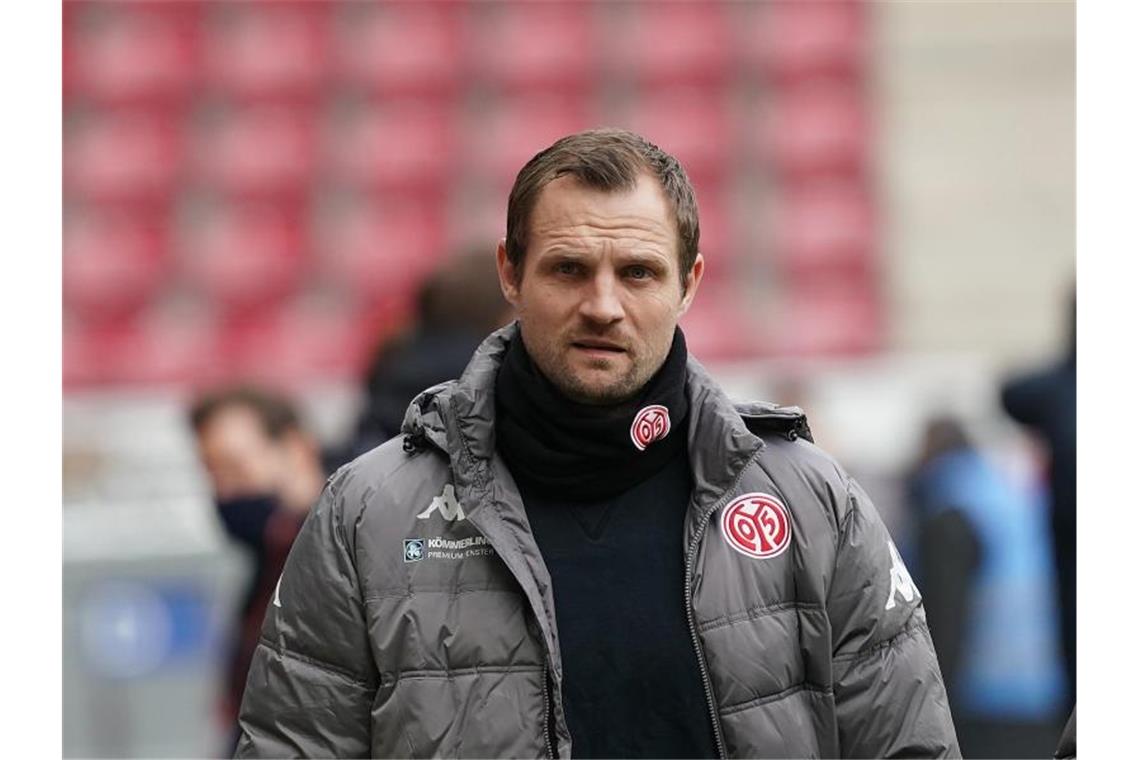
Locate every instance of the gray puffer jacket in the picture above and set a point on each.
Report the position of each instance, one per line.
(415, 616)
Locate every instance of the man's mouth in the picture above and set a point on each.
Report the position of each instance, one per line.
(602, 346)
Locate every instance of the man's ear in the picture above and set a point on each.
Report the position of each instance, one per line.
(692, 282)
(509, 274)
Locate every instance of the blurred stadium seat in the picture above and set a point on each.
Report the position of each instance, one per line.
(377, 246)
(245, 147)
(511, 129)
(833, 316)
(124, 153)
(538, 45)
(266, 48)
(401, 47)
(693, 123)
(724, 324)
(390, 143)
(826, 227)
(792, 41)
(122, 51)
(245, 255)
(817, 128)
(299, 344)
(114, 260)
(675, 42)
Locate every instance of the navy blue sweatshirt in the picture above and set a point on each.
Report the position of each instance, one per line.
(632, 684)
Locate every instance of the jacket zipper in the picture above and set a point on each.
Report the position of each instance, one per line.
(548, 708)
(721, 752)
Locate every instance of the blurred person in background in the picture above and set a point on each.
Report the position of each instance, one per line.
(265, 473)
(582, 547)
(985, 571)
(1045, 401)
(456, 306)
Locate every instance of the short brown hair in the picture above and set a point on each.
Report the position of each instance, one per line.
(277, 415)
(604, 159)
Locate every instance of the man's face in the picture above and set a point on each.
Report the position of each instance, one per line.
(240, 458)
(601, 291)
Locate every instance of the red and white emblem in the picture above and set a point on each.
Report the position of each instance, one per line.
(757, 525)
(651, 424)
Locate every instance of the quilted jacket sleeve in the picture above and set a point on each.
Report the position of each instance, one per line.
(312, 680)
(889, 694)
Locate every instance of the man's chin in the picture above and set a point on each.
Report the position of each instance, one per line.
(596, 391)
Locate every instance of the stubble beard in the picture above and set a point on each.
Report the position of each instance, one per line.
(574, 387)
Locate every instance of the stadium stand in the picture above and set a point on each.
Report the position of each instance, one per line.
(294, 168)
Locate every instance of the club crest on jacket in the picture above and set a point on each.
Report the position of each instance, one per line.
(757, 525)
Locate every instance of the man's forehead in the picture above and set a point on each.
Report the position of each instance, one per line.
(566, 200)
(235, 422)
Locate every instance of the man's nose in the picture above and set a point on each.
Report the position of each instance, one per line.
(602, 302)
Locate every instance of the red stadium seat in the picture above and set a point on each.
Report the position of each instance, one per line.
(694, 124)
(113, 261)
(378, 247)
(298, 345)
(790, 41)
(254, 147)
(116, 51)
(819, 128)
(675, 42)
(830, 316)
(393, 144)
(126, 153)
(82, 356)
(246, 256)
(510, 130)
(267, 48)
(719, 239)
(537, 45)
(161, 350)
(724, 324)
(403, 47)
(826, 227)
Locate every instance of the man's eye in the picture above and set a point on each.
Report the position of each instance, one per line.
(639, 272)
(567, 267)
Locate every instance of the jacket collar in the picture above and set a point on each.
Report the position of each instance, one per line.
(458, 417)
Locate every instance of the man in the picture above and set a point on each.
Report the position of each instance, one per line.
(582, 548)
(265, 472)
(456, 306)
(1045, 401)
(984, 565)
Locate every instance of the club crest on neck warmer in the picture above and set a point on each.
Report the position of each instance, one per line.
(651, 424)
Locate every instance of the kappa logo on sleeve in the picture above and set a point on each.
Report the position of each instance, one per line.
(446, 504)
(901, 582)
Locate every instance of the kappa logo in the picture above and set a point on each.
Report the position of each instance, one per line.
(651, 424)
(757, 525)
(901, 582)
(446, 504)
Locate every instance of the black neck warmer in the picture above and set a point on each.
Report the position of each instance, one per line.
(561, 449)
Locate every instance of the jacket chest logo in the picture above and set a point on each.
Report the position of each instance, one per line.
(757, 525)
